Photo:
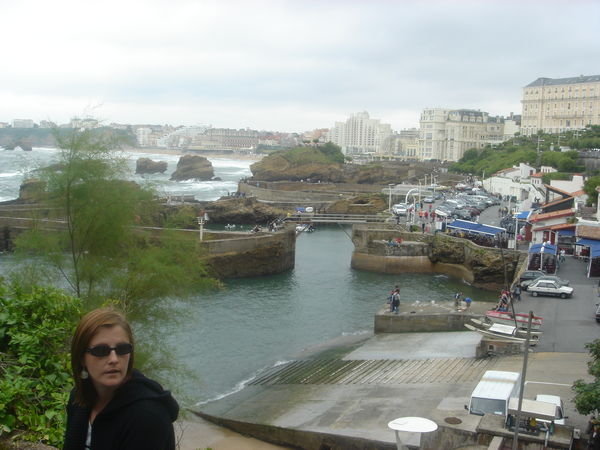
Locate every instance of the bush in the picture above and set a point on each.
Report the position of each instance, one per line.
(35, 330)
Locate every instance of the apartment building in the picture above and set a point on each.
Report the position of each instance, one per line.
(403, 145)
(446, 134)
(360, 134)
(22, 123)
(226, 139)
(561, 104)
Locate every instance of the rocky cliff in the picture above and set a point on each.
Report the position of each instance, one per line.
(193, 167)
(278, 168)
(361, 204)
(146, 165)
(242, 211)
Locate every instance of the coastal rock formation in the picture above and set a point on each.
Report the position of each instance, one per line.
(362, 204)
(31, 191)
(146, 165)
(242, 211)
(278, 168)
(193, 167)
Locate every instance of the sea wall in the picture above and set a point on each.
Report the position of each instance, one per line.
(484, 267)
(229, 255)
(421, 322)
(241, 255)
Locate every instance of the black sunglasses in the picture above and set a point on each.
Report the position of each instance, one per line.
(103, 350)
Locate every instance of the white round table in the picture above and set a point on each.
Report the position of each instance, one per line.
(411, 425)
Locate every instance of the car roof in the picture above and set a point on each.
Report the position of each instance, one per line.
(548, 398)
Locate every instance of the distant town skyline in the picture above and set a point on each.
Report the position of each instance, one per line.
(284, 65)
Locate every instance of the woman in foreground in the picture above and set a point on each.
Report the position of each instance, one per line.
(112, 405)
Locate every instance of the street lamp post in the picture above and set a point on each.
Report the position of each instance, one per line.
(202, 218)
(390, 186)
(538, 151)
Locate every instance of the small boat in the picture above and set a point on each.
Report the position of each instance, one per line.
(505, 332)
(507, 318)
(304, 228)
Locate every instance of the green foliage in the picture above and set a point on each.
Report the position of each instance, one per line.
(522, 149)
(333, 152)
(94, 253)
(547, 177)
(326, 154)
(590, 189)
(184, 217)
(587, 395)
(35, 328)
(492, 160)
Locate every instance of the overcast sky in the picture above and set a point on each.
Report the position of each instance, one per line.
(284, 65)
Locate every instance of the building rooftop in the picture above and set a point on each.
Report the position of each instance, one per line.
(558, 81)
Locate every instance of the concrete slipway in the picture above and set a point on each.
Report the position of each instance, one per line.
(344, 396)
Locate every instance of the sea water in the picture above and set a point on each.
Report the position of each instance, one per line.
(226, 337)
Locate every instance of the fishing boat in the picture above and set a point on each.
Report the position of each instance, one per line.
(505, 332)
(508, 318)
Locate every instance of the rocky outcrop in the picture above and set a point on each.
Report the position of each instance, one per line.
(242, 211)
(362, 204)
(193, 167)
(278, 168)
(31, 191)
(146, 165)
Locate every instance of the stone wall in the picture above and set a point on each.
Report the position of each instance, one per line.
(432, 253)
(259, 254)
(416, 323)
(229, 255)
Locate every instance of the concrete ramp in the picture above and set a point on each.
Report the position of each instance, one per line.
(377, 372)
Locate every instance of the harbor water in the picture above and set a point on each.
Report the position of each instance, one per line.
(226, 337)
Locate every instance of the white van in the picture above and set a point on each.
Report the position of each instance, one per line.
(493, 392)
(558, 405)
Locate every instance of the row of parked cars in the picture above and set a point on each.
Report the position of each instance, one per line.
(466, 206)
(537, 282)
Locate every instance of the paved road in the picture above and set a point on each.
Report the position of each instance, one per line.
(570, 323)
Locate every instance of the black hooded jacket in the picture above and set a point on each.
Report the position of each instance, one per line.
(140, 416)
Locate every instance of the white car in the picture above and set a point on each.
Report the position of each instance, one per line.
(401, 209)
(549, 287)
(555, 400)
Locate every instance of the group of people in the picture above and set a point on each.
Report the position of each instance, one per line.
(394, 300)
(458, 298)
(507, 297)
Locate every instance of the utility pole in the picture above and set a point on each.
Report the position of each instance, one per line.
(539, 156)
(523, 375)
(390, 186)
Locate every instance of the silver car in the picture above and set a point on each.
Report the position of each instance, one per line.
(549, 287)
(525, 284)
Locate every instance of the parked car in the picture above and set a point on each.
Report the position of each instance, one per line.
(560, 409)
(462, 214)
(401, 209)
(598, 312)
(531, 275)
(544, 287)
(428, 199)
(525, 284)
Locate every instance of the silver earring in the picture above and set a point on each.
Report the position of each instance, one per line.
(84, 374)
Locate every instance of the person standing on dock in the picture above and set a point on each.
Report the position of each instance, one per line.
(457, 298)
(396, 300)
(517, 292)
(468, 302)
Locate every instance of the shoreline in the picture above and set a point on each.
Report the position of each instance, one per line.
(207, 154)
